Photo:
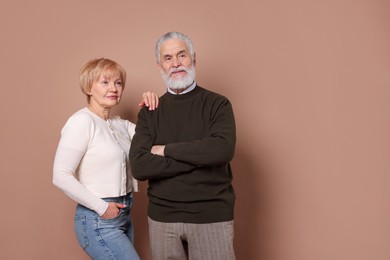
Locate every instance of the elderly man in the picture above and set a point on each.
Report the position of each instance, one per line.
(184, 149)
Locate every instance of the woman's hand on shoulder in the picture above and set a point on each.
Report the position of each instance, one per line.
(150, 100)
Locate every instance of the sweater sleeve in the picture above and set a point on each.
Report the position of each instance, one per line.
(144, 164)
(71, 149)
(215, 149)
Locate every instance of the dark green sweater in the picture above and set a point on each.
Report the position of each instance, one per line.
(192, 183)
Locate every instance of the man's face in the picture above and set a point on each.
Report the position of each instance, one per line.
(176, 64)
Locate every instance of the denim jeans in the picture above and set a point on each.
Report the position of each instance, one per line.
(106, 238)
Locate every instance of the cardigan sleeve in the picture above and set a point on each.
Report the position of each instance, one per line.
(70, 151)
(131, 130)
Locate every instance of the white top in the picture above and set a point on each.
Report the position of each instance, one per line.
(92, 159)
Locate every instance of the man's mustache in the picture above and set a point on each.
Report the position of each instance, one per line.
(173, 70)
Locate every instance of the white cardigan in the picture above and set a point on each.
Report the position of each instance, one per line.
(92, 159)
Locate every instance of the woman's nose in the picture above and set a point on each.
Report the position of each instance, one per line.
(113, 86)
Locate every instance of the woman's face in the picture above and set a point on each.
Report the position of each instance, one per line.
(107, 91)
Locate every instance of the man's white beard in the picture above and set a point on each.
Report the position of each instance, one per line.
(182, 82)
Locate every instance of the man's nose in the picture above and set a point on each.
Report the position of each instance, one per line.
(176, 62)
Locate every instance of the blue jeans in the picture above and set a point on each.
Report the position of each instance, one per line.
(106, 238)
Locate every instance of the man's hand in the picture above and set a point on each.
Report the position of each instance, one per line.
(158, 150)
(113, 210)
(150, 100)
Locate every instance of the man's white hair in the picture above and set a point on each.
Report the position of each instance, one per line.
(174, 35)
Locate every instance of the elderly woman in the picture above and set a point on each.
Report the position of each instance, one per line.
(92, 164)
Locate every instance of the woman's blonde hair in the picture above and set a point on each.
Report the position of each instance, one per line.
(93, 70)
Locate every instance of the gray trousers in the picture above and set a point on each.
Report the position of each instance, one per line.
(180, 241)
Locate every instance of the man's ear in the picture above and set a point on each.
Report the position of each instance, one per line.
(158, 65)
(194, 62)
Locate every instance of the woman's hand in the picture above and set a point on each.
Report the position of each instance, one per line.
(113, 210)
(150, 100)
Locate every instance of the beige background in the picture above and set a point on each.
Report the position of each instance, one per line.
(310, 85)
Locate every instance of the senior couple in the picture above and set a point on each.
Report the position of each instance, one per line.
(182, 145)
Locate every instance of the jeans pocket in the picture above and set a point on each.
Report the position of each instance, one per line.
(80, 227)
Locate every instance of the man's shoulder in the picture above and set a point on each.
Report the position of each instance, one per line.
(211, 94)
